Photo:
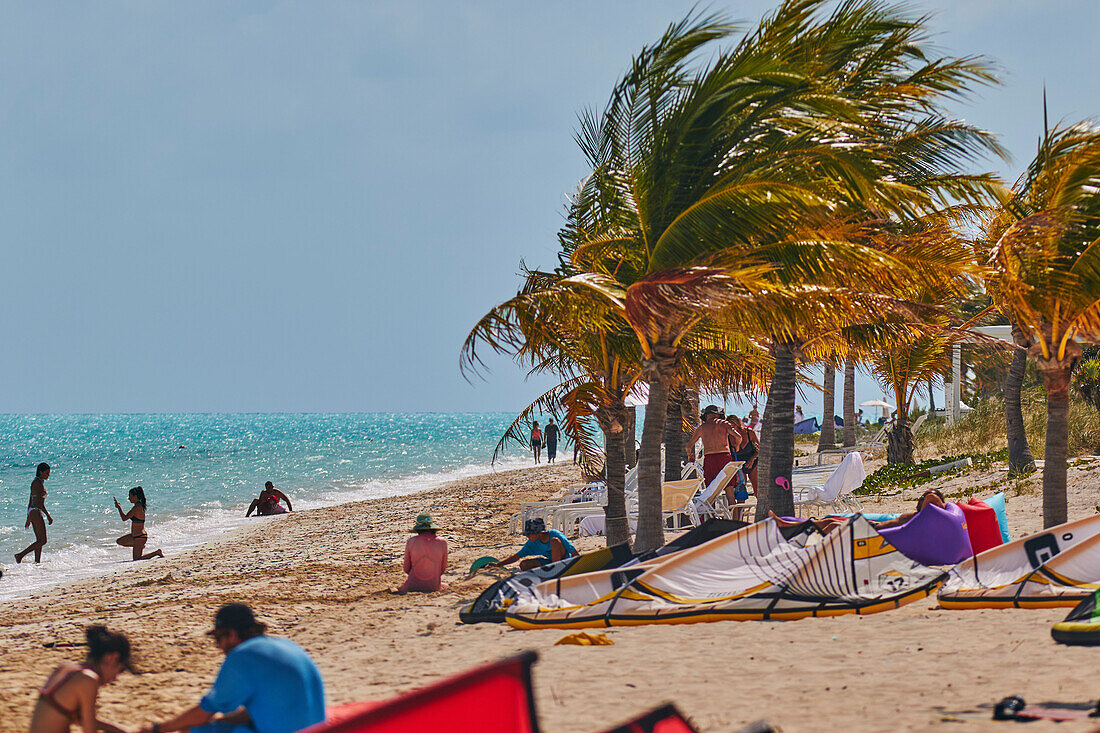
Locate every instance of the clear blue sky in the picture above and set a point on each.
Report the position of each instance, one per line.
(304, 206)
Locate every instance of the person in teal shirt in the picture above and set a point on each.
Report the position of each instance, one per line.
(265, 685)
(543, 546)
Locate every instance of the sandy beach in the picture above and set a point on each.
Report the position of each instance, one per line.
(320, 577)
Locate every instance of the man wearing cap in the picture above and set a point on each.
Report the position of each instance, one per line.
(425, 558)
(717, 434)
(265, 685)
(543, 546)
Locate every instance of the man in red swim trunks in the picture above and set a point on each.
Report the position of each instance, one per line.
(717, 435)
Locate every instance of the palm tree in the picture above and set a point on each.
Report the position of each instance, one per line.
(849, 403)
(552, 329)
(1046, 268)
(828, 409)
(695, 174)
(1020, 460)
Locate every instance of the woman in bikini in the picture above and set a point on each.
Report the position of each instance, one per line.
(536, 440)
(37, 516)
(136, 517)
(69, 695)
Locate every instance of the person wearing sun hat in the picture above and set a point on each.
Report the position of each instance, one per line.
(425, 558)
(543, 546)
(265, 685)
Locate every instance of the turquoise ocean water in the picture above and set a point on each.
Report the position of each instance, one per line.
(201, 491)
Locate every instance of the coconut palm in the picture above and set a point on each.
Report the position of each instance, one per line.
(1046, 269)
(849, 403)
(703, 184)
(551, 329)
(828, 408)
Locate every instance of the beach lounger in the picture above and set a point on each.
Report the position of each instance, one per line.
(711, 501)
(835, 495)
(676, 501)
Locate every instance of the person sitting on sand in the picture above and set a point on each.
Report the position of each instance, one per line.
(37, 516)
(828, 524)
(69, 695)
(425, 558)
(268, 502)
(137, 536)
(543, 546)
(265, 685)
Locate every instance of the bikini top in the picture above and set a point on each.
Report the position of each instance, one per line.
(47, 693)
(135, 519)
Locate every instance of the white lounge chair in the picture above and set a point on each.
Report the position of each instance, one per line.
(836, 493)
(711, 501)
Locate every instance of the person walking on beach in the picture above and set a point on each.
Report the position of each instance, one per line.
(266, 684)
(552, 433)
(536, 440)
(543, 546)
(268, 502)
(37, 516)
(136, 517)
(425, 558)
(69, 695)
(717, 435)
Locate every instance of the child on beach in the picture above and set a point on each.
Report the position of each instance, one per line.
(425, 558)
(69, 695)
(543, 546)
(136, 517)
(37, 516)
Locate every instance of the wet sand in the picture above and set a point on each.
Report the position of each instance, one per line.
(321, 577)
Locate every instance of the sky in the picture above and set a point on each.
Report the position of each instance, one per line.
(305, 206)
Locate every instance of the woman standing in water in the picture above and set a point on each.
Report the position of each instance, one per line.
(69, 695)
(37, 516)
(136, 517)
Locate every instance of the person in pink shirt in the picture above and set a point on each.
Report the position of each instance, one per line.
(425, 558)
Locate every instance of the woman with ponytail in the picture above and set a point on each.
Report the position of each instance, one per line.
(69, 695)
(136, 517)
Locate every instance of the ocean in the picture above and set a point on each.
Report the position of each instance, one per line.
(201, 471)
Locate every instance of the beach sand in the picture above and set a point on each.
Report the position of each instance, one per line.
(321, 577)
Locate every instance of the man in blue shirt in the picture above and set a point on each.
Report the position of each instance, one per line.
(265, 685)
(543, 546)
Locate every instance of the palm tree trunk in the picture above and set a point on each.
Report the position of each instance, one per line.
(630, 436)
(828, 409)
(650, 534)
(1056, 377)
(1020, 459)
(899, 445)
(616, 527)
(763, 460)
(777, 484)
(674, 432)
(849, 403)
(689, 409)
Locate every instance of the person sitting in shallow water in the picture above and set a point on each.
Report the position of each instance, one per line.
(425, 558)
(69, 695)
(828, 524)
(268, 502)
(543, 546)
